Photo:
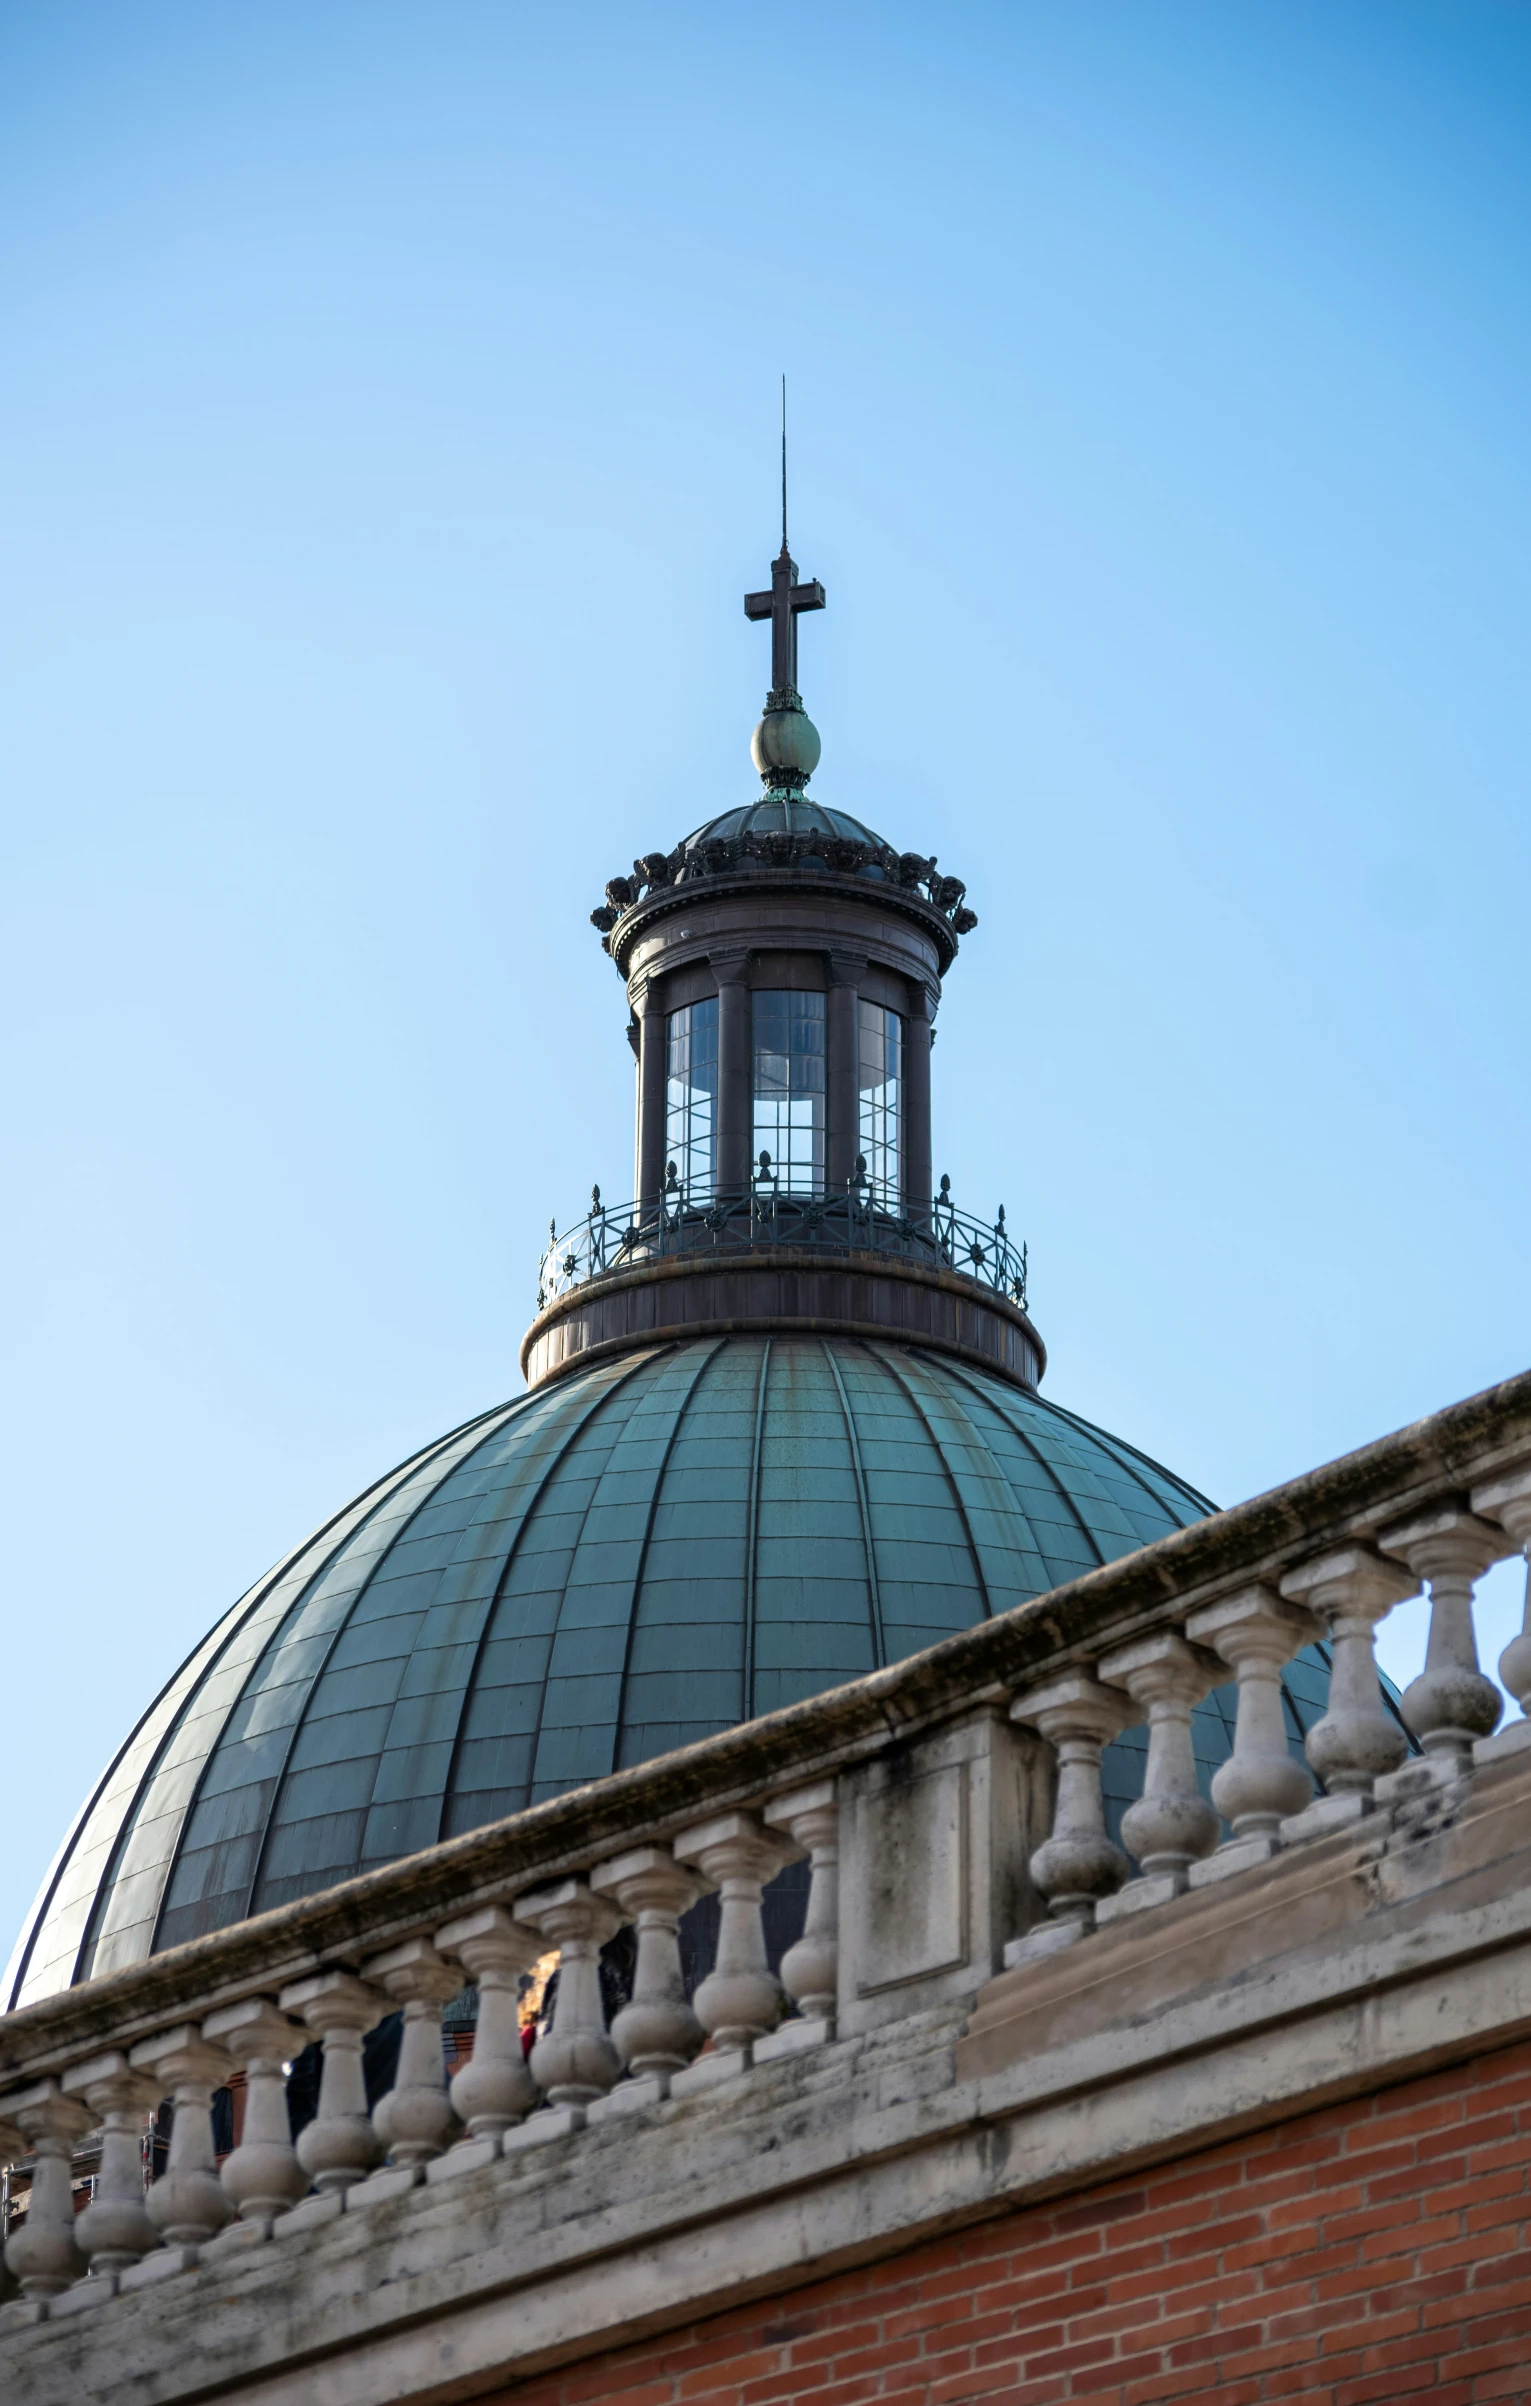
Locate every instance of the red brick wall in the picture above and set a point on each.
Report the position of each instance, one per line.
(1370, 2252)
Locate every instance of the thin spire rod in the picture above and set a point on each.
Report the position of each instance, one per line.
(781, 604)
(784, 463)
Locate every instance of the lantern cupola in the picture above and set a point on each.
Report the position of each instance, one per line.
(783, 968)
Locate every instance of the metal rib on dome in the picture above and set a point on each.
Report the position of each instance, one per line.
(644, 1553)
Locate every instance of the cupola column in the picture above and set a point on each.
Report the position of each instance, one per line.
(736, 1114)
(842, 1036)
(918, 1181)
(651, 1090)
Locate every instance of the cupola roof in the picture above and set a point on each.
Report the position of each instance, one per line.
(783, 810)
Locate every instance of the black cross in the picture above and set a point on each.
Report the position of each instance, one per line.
(781, 605)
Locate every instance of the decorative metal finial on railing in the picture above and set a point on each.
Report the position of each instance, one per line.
(765, 1193)
(864, 1218)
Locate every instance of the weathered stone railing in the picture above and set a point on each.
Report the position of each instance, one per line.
(953, 1801)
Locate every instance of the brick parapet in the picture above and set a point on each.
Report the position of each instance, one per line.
(1373, 2251)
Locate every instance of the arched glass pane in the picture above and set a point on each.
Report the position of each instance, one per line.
(789, 1088)
(691, 1096)
(882, 1090)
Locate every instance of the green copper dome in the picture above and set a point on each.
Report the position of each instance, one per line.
(639, 1554)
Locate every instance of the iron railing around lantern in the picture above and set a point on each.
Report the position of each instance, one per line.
(629, 1235)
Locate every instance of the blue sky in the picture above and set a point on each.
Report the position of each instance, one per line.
(386, 438)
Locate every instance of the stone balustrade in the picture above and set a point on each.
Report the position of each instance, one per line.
(952, 1803)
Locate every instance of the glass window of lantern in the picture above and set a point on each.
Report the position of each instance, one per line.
(881, 1082)
(789, 1088)
(691, 1096)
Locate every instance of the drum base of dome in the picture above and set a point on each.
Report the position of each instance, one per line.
(783, 1291)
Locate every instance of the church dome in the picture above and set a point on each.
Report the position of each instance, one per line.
(638, 1554)
(782, 1429)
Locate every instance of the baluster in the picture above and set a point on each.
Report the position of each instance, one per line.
(413, 2119)
(114, 2230)
(810, 1970)
(1171, 1825)
(576, 2062)
(13, 2146)
(657, 2033)
(493, 2090)
(741, 1998)
(263, 2176)
(186, 2204)
(44, 2254)
(1261, 1784)
(1507, 1499)
(1077, 1864)
(1358, 1740)
(1451, 1704)
(339, 2147)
